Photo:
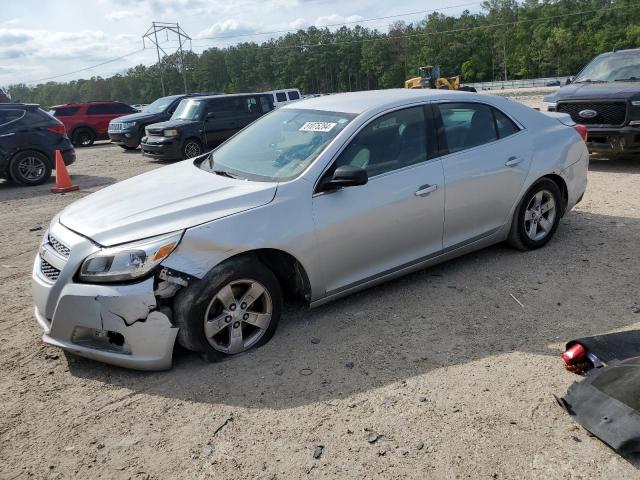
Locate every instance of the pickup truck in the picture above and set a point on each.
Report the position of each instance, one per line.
(605, 97)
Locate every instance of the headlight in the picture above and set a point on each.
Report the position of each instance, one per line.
(129, 261)
(548, 106)
(170, 133)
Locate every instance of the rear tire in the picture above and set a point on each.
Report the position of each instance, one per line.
(30, 168)
(127, 147)
(83, 137)
(211, 313)
(536, 219)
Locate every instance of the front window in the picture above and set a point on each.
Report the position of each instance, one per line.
(622, 67)
(189, 109)
(279, 146)
(159, 105)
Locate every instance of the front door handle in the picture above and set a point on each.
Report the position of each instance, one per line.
(425, 190)
(513, 161)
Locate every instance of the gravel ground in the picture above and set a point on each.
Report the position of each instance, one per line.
(440, 374)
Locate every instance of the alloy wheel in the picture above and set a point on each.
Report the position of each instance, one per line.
(540, 215)
(32, 168)
(238, 316)
(191, 149)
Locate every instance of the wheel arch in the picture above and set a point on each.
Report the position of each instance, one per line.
(564, 190)
(291, 274)
(83, 126)
(32, 149)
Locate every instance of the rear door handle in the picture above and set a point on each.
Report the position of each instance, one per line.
(425, 190)
(513, 161)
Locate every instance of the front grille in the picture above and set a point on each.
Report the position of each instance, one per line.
(609, 113)
(115, 126)
(59, 247)
(48, 270)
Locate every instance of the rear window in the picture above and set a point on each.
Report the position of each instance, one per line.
(64, 111)
(293, 95)
(10, 115)
(110, 109)
(281, 97)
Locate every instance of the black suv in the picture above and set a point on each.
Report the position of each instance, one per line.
(605, 96)
(201, 123)
(128, 130)
(29, 138)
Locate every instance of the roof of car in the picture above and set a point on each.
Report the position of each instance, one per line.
(79, 104)
(21, 105)
(360, 102)
(208, 96)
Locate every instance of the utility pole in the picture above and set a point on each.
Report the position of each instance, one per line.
(167, 28)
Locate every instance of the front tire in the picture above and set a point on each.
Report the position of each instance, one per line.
(127, 147)
(191, 148)
(30, 168)
(234, 308)
(537, 216)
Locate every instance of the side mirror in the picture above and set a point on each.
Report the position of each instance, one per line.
(569, 80)
(211, 115)
(346, 176)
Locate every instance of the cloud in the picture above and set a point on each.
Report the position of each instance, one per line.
(227, 28)
(120, 15)
(336, 19)
(11, 23)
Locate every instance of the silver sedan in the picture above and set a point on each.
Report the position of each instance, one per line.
(319, 199)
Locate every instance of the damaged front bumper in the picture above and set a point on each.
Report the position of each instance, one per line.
(116, 324)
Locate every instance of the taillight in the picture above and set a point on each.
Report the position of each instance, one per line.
(59, 129)
(582, 130)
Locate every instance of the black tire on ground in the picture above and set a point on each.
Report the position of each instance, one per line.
(518, 237)
(191, 303)
(192, 147)
(127, 147)
(30, 168)
(83, 137)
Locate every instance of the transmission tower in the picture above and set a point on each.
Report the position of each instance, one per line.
(168, 29)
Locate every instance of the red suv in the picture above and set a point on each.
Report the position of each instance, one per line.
(88, 122)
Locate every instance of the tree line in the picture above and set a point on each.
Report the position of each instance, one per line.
(506, 38)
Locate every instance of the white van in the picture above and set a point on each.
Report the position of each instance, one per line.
(282, 97)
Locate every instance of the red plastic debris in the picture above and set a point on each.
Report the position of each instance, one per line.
(576, 359)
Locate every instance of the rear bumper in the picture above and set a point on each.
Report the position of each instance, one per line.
(127, 139)
(606, 141)
(163, 148)
(68, 156)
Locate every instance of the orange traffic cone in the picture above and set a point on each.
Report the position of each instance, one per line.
(63, 180)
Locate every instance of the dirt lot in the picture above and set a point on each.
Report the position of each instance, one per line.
(443, 367)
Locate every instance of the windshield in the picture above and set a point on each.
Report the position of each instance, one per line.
(159, 105)
(188, 109)
(611, 68)
(279, 146)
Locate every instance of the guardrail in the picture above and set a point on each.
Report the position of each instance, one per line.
(531, 82)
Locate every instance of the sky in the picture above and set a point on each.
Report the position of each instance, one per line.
(40, 39)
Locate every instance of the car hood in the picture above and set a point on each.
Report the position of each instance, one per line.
(596, 91)
(168, 199)
(141, 117)
(172, 124)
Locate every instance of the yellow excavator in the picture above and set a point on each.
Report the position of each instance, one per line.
(430, 78)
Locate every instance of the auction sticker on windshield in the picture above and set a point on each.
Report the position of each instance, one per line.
(317, 127)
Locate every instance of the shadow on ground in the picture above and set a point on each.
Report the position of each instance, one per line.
(458, 312)
(12, 191)
(626, 165)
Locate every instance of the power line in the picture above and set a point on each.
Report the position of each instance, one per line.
(87, 68)
(440, 32)
(364, 20)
